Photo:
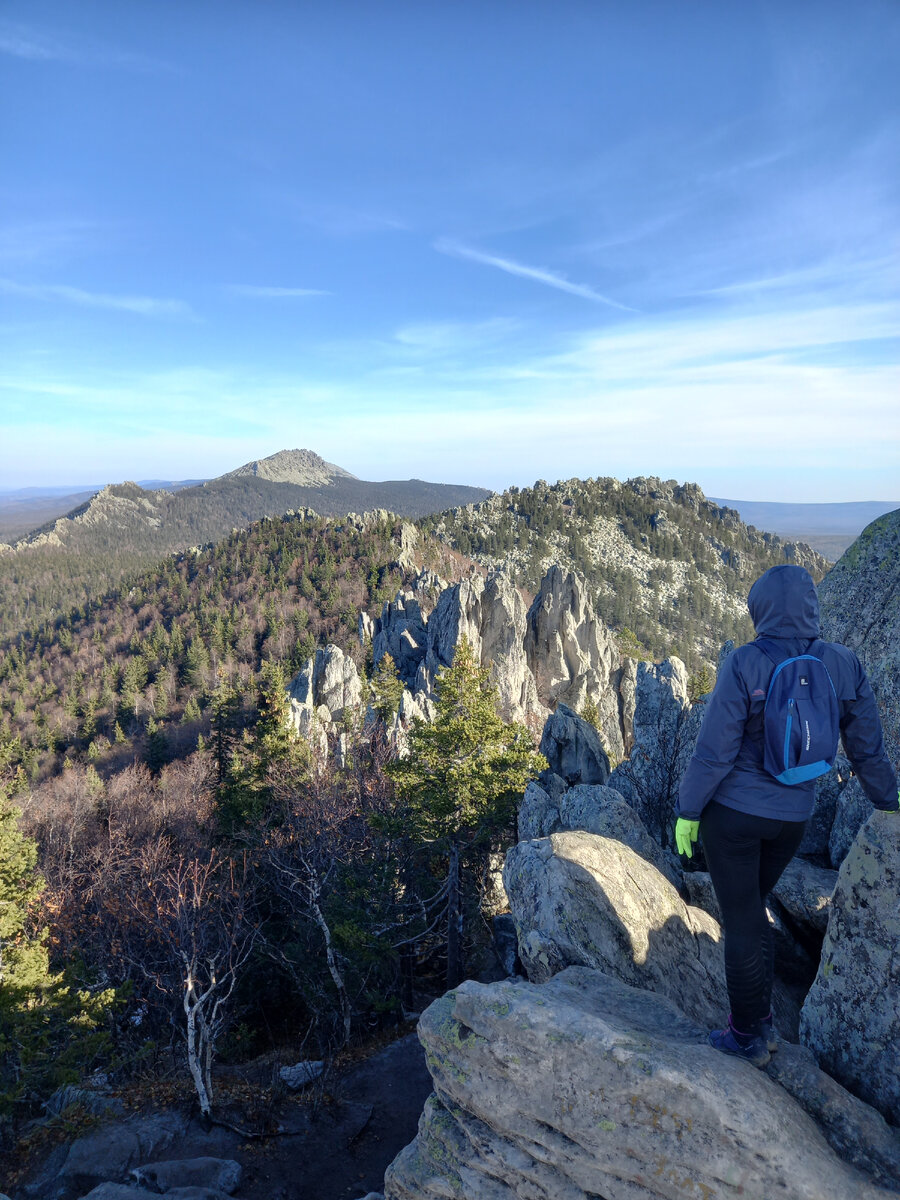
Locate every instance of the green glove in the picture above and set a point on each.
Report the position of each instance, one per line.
(686, 833)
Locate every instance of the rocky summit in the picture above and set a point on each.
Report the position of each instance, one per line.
(302, 467)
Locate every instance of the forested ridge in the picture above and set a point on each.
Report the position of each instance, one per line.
(89, 685)
(125, 528)
(667, 568)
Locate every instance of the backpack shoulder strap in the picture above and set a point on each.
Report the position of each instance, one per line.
(771, 651)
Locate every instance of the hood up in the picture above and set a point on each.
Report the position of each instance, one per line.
(784, 604)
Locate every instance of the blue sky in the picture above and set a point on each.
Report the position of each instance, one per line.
(475, 242)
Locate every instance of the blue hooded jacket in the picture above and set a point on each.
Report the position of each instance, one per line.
(727, 765)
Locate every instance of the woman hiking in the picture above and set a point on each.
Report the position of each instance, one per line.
(748, 789)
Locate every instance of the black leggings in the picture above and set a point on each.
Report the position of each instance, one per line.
(746, 856)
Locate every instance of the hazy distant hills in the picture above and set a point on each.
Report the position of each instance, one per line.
(828, 528)
(124, 527)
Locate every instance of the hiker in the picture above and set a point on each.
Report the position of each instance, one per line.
(750, 787)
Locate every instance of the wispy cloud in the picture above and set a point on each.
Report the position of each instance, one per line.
(31, 241)
(444, 337)
(538, 274)
(22, 43)
(39, 46)
(145, 306)
(274, 293)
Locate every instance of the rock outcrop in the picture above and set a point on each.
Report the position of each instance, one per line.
(860, 605)
(557, 652)
(572, 655)
(805, 892)
(664, 737)
(327, 689)
(851, 1016)
(585, 1087)
(850, 814)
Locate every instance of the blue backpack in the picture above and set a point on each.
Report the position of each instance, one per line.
(801, 716)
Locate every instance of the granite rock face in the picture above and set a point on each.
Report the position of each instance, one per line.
(573, 749)
(585, 1087)
(571, 653)
(331, 679)
(860, 606)
(851, 1016)
(851, 812)
(664, 737)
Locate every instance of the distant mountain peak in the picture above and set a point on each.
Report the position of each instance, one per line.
(303, 467)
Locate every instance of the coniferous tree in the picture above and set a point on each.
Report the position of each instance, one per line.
(461, 778)
(386, 688)
(49, 1030)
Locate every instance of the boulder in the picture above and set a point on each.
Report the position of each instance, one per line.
(851, 813)
(582, 899)
(858, 1133)
(301, 1074)
(851, 1016)
(585, 1087)
(594, 809)
(218, 1174)
(805, 891)
(538, 811)
(88, 1099)
(109, 1153)
(573, 749)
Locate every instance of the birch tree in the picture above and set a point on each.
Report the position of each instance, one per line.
(199, 912)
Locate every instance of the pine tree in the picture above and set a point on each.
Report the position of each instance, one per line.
(700, 684)
(386, 688)
(49, 1030)
(461, 778)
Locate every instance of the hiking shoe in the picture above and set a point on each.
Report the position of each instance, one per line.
(768, 1034)
(751, 1047)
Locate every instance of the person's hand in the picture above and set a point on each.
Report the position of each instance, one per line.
(686, 833)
